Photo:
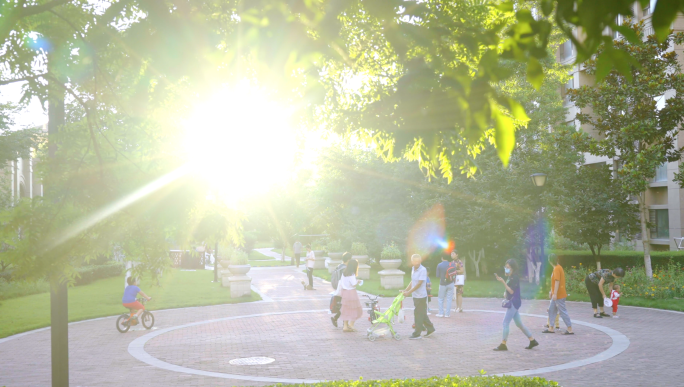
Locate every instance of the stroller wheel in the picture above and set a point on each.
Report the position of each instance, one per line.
(397, 337)
(371, 337)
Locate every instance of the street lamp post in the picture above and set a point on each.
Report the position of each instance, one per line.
(539, 179)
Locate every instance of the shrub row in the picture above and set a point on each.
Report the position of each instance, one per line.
(88, 274)
(452, 381)
(625, 259)
(667, 281)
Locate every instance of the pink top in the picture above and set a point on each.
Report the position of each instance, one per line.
(614, 295)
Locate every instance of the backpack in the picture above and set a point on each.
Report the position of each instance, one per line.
(451, 272)
(337, 275)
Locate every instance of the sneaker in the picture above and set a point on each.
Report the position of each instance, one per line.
(460, 310)
(415, 336)
(533, 344)
(439, 315)
(428, 313)
(446, 316)
(616, 316)
(501, 347)
(333, 321)
(429, 333)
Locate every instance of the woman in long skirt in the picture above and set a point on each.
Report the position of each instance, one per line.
(351, 305)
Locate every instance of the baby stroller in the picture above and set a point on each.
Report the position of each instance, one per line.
(386, 318)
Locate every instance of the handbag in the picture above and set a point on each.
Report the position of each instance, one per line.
(506, 303)
(460, 280)
(607, 302)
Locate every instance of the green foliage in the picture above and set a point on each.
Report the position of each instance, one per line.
(235, 256)
(452, 381)
(618, 258)
(88, 274)
(667, 281)
(16, 289)
(359, 248)
(632, 113)
(391, 251)
(335, 246)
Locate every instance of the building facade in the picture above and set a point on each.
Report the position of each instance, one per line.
(664, 197)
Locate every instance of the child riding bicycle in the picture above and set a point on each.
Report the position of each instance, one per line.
(129, 299)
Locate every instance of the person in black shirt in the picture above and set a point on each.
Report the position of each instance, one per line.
(512, 303)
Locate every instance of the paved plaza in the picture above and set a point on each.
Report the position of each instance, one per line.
(195, 346)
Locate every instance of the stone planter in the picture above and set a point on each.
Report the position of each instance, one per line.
(335, 256)
(392, 279)
(318, 253)
(390, 264)
(239, 269)
(319, 263)
(362, 259)
(240, 286)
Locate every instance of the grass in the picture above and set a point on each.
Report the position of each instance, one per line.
(103, 298)
(288, 252)
(255, 255)
(256, 259)
(479, 288)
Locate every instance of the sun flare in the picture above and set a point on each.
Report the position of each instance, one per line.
(241, 142)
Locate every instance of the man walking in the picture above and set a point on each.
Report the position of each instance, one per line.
(446, 286)
(337, 294)
(417, 288)
(310, 261)
(557, 294)
(297, 249)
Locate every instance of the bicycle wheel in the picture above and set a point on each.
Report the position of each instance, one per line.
(122, 323)
(147, 320)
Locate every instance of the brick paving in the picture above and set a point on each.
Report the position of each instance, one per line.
(305, 345)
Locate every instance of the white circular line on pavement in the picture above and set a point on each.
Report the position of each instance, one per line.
(137, 349)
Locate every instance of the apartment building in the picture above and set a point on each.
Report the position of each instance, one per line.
(664, 197)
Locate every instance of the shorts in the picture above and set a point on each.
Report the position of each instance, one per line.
(134, 305)
(459, 289)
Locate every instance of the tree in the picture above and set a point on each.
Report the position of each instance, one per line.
(636, 115)
(592, 208)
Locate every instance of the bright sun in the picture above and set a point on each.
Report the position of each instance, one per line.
(240, 142)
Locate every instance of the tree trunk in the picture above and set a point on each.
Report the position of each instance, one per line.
(472, 255)
(59, 313)
(645, 235)
(597, 258)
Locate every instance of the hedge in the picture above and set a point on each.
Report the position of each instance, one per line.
(452, 381)
(611, 259)
(88, 274)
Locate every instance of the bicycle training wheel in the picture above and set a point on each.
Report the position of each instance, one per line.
(147, 320)
(122, 324)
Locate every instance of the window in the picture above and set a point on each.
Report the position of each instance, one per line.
(566, 50)
(661, 173)
(564, 89)
(660, 224)
(618, 21)
(649, 10)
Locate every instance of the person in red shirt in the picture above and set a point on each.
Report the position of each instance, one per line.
(615, 297)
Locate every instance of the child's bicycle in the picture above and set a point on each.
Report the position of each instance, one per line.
(373, 309)
(123, 323)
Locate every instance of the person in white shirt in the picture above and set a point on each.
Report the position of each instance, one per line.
(417, 288)
(351, 305)
(310, 261)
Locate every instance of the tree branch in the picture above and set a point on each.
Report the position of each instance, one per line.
(36, 9)
(8, 81)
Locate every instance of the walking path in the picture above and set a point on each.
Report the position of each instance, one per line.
(269, 253)
(291, 328)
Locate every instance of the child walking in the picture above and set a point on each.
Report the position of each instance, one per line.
(615, 297)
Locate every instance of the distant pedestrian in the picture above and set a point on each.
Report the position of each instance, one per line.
(459, 279)
(533, 264)
(310, 261)
(512, 303)
(615, 297)
(558, 294)
(446, 286)
(417, 288)
(595, 282)
(351, 305)
(428, 288)
(297, 250)
(337, 294)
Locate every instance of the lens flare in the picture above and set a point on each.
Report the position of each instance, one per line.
(427, 234)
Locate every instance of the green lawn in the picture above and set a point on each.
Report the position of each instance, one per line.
(288, 252)
(255, 255)
(493, 289)
(103, 298)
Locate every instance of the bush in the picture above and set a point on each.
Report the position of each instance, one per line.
(250, 240)
(22, 288)
(452, 381)
(236, 256)
(359, 249)
(335, 247)
(88, 274)
(613, 259)
(390, 251)
(667, 281)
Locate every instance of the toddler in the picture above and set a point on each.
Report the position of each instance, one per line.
(615, 296)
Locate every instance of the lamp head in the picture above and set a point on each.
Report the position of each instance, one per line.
(539, 179)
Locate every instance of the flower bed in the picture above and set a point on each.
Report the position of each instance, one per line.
(452, 381)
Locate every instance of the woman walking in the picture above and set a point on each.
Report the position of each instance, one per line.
(595, 282)
(460, 271)
(351, 305)
(512, 303)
